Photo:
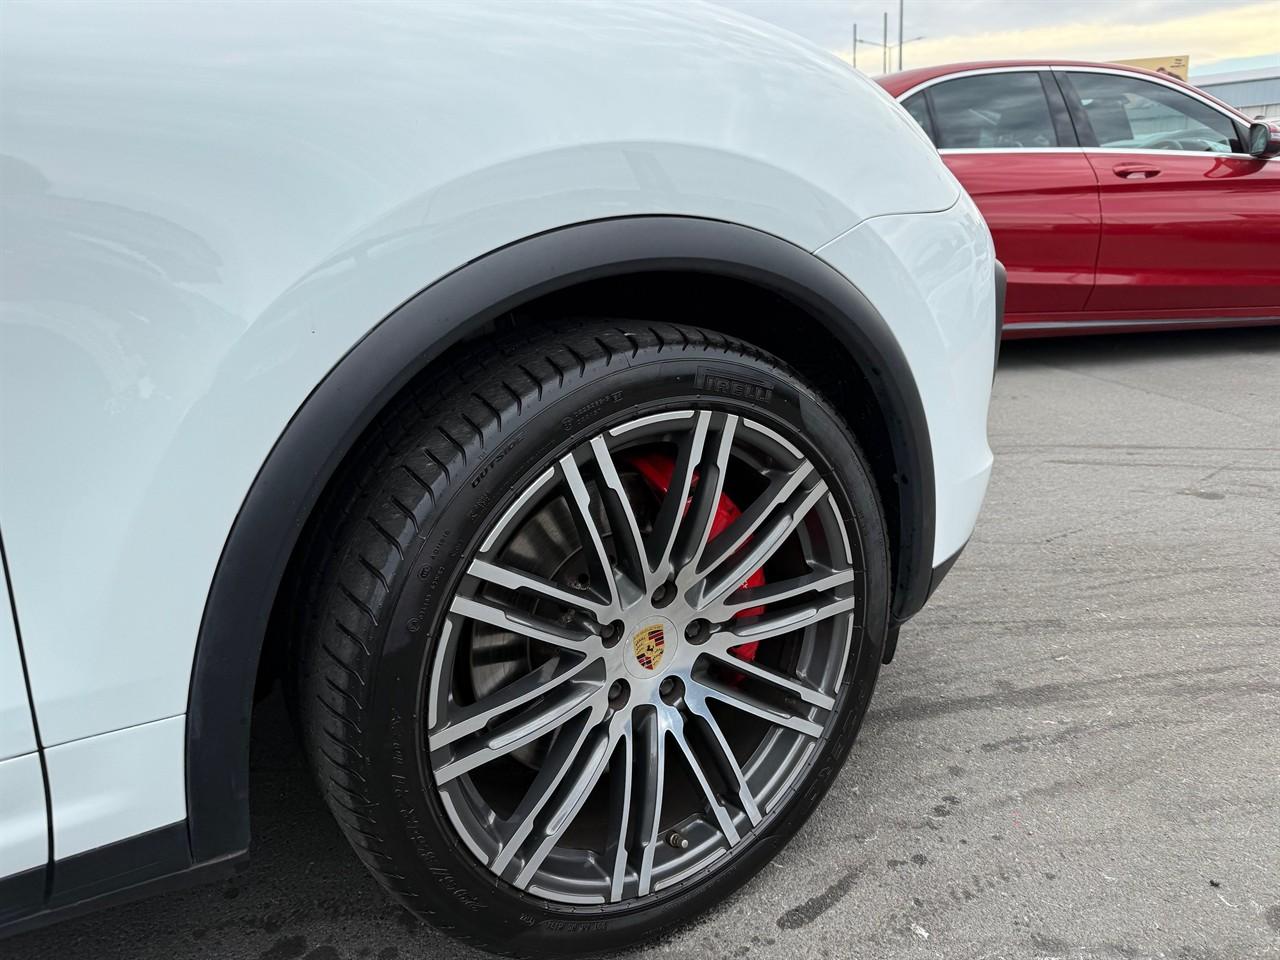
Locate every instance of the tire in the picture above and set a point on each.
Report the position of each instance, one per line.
(384, 655)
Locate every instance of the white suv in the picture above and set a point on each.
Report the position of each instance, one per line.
(566, 404)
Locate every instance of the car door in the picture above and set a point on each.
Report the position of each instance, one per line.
(1007, 137)
(24, 818)
(1190, 222)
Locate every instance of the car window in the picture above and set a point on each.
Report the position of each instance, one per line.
(997, 110)
(1135, 114)
(919, 110)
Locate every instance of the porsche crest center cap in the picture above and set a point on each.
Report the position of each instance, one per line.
(649, 644)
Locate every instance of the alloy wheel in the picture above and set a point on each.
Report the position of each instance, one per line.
(643, 656)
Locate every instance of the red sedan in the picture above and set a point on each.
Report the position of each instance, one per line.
(1119, 199)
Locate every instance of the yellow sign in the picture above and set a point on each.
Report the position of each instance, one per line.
(1173, 66)
(648, 645)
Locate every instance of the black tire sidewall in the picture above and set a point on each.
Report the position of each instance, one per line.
(449, 884)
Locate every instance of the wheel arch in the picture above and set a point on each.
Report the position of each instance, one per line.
(466, 303)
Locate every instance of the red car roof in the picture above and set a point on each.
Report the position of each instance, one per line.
(899, 83)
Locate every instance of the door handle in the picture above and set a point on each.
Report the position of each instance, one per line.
(1135, 171)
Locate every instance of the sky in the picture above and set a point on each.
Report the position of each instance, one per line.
(1219, 35)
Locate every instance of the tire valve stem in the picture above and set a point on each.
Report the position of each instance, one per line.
(678, 841)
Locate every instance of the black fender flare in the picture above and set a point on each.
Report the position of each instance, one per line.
(341, 406)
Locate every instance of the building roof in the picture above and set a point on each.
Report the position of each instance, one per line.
(1237, 76)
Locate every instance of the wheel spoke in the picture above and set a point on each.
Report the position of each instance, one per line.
(696, 526)
(724, 757)
(579, 500)
(548, 677)
(741, 700)
(627, 539)
(570, 796)
(558, 764)
(518, 580)
(666, 526)
(722, 817)
(782, 484)
(792, 686)
(521, 622)
(620, 790)
(816, 581)
(650, 756)
(761, 548)
(779, 624)
(570, 699)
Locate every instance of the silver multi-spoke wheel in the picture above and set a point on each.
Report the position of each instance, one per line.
(597, 614)
(643, 656)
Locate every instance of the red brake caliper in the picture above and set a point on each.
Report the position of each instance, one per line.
(657, 470)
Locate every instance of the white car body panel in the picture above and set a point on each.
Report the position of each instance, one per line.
(24, 818)
(116, 785)
(24, 827)
(205, 211)
(915, 269)
(17, 734)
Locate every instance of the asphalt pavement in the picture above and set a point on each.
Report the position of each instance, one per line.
(1076, 753)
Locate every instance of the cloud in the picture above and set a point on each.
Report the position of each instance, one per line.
(1209, 36)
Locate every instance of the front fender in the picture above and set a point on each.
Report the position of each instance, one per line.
(326, 427)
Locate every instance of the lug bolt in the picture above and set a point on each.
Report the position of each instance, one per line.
(664, 594)
(612, 633)
(678, 841)
(670, 690)
(618, 692)
(697, 631)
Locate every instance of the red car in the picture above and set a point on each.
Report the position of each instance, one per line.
(1119, 199)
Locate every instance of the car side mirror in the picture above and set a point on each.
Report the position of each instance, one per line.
(1264, 139)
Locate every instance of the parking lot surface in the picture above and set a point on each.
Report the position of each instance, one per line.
(1076, 753)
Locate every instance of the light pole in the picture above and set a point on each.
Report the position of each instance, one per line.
(884, 46)
(900, 5)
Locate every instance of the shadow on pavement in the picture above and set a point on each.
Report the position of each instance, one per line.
(1152, 348)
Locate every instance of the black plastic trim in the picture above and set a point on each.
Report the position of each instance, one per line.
(1002, 288)
(942, 569)
(1063, 128)
(1075, 107)
(21, 895)
(154, 862)
(359, 386)
(1075, 110)
(120, 865)
(932, 132)
(935, 578)
(890, 642)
